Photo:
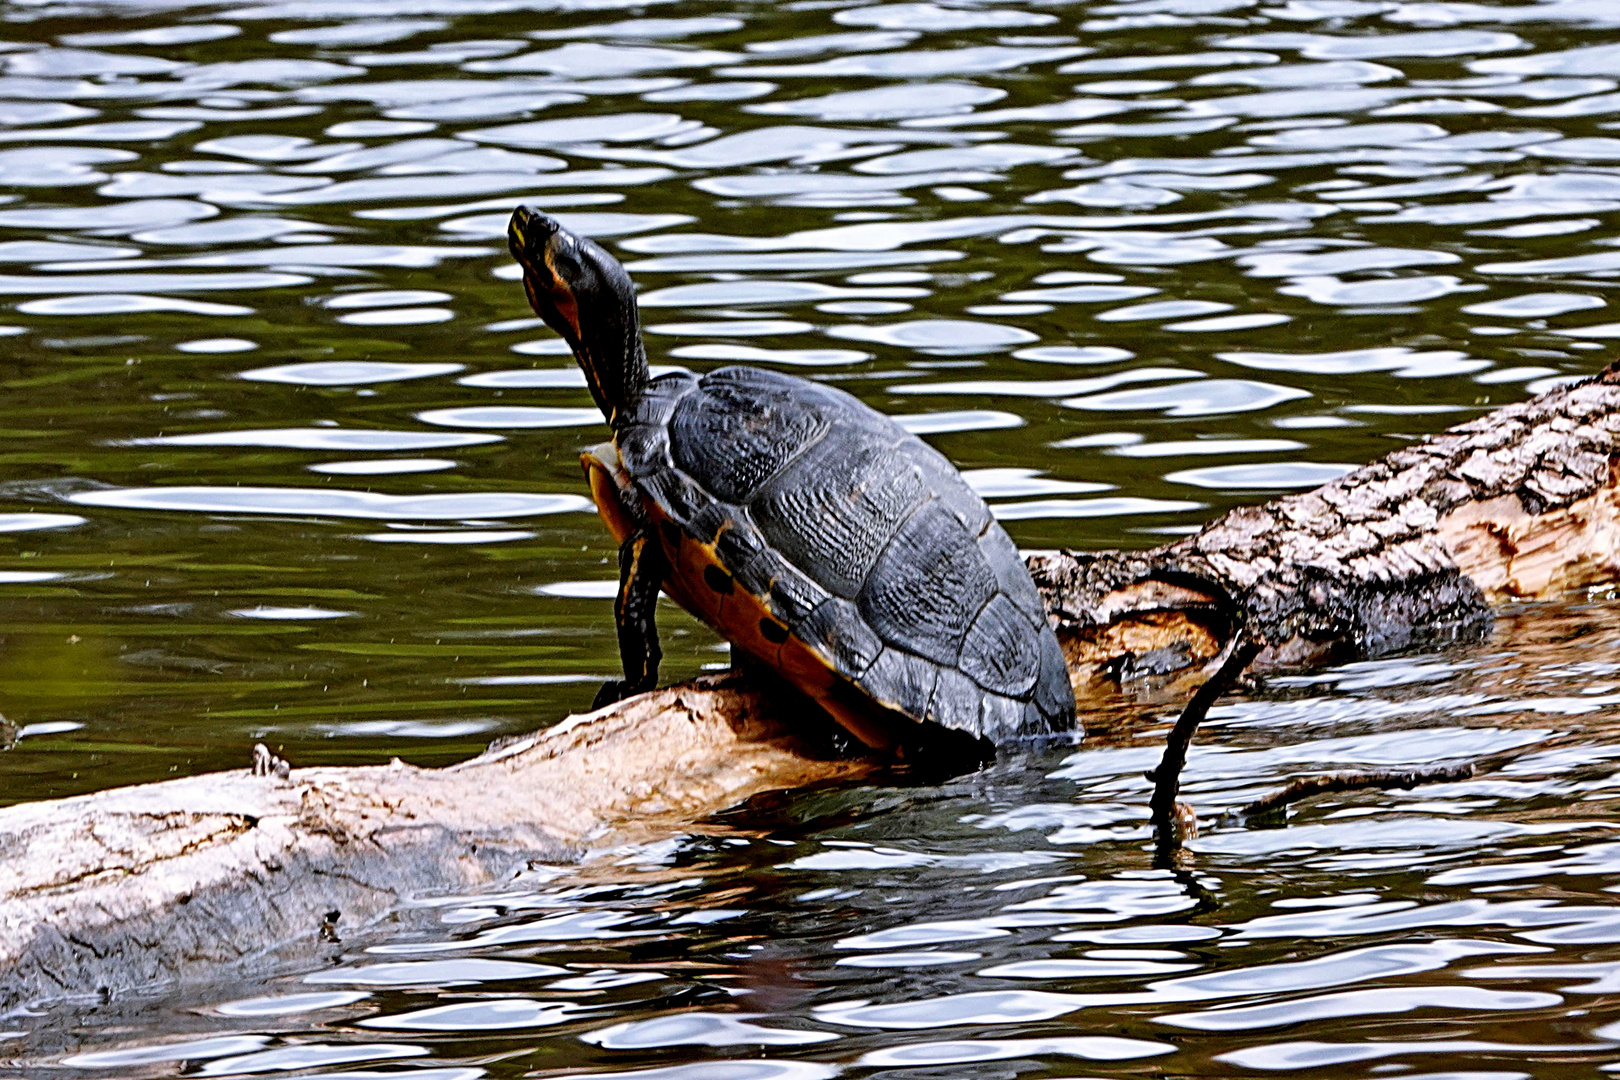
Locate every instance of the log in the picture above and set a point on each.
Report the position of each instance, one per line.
(146, 888)
(1412, 550)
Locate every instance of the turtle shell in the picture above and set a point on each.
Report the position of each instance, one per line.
(828, 542)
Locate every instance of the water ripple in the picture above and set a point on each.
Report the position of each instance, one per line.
(321, 439)
(346, 372)
(699, 1029)
(1084, 1047)
(248, 248)
(332, 502)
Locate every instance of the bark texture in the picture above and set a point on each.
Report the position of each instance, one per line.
(144, 888)
(1413, 549)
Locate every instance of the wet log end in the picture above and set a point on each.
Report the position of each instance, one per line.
(1514, 555)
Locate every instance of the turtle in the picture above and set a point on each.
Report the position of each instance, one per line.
(820, 537)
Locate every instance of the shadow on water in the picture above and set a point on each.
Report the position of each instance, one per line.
(284, 458)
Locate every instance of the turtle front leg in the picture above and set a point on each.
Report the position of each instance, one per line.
(641, 574)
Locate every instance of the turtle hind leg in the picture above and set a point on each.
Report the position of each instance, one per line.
(641, 574)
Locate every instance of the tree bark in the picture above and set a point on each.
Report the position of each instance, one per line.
(149, 887)
(1522, 504)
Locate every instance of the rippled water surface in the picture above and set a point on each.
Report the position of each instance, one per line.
(283, 457)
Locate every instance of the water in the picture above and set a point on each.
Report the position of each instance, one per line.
(285, 459)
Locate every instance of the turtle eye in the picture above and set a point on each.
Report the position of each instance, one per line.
(564, 263)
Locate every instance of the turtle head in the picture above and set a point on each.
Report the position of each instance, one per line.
(586, 296)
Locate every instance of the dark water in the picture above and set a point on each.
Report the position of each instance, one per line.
(283, 458)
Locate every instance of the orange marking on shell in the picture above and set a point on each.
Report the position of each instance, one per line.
(737, 616)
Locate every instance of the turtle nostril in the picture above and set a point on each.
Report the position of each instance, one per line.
(529, 227)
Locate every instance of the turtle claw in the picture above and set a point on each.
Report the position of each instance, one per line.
(614, 690)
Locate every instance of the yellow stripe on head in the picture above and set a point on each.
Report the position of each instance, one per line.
(562, 297)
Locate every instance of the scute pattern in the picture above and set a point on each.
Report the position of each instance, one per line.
(708, 522)
(956, 702)
(1012, 575)
(680, 499)
(1053, 692)
(738, 543)
(756, 575)
(836, 629)
(1000, 717)
(793, 595)
(999, 653)
(902, 681)
(736, 432)
(928, 585)
(953, 492)
(658, 400)
(861, 539)
(836, 506)
(643, 448)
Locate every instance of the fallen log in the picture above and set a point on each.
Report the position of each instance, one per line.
(145, 888)
(1522, 504)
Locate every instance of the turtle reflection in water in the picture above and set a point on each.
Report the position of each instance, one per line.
(815, 533)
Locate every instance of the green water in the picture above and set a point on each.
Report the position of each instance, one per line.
(284, 458)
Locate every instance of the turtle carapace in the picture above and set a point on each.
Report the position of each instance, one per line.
(816, 534)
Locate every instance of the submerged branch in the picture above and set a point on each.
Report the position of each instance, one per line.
(1307, 787)
(1381, 779)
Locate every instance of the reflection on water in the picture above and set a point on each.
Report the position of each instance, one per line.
(287, 459)
(1015, 917)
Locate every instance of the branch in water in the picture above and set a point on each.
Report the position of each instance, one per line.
(1167, 777)
(1382, 780)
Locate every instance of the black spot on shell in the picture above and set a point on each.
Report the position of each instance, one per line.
(773, 631)
(755, 576)
(717, 579)
(737, 544)
(793, 596)
(672, 535)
